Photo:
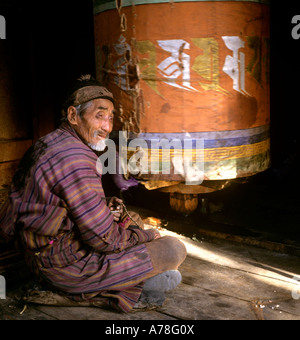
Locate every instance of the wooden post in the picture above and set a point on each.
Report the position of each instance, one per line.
(183, 203)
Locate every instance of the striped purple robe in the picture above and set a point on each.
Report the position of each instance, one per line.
(67, 231)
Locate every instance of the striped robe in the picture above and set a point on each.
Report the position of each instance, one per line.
(67, 231)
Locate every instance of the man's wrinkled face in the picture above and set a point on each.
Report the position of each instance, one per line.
(96, 123)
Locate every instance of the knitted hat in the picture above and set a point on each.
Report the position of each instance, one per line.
(84, 90)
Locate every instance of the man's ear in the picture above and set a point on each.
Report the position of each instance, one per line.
(72, 115)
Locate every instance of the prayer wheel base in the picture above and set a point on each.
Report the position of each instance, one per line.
(184, 204)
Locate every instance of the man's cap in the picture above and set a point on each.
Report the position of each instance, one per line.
(84, 90)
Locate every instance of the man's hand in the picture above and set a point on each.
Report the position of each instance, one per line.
(116, 208)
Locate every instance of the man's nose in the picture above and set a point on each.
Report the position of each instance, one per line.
(106, 125)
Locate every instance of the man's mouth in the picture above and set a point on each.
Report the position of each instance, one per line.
(99, 142)
(101, 135)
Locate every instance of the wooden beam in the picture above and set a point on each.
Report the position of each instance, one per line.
(7, 171)
(13, 150)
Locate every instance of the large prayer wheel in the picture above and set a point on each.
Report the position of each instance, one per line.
(194, 73)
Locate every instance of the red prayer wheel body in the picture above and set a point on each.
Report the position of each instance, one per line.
(190, 69)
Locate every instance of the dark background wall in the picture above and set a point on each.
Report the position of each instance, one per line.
(285, 76)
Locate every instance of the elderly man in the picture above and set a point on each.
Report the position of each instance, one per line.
(70, 236)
